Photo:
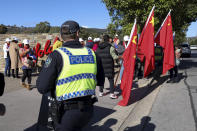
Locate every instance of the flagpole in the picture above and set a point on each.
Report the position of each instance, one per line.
(163, 23)
(131, 34)
(118, 74)
(147, 20)
(149, 16)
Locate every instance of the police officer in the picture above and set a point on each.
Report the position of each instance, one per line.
(72, 73)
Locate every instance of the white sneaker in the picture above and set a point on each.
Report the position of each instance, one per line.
(100, 94)
(113, 96)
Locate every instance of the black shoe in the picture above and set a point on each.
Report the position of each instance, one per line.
(170, 81)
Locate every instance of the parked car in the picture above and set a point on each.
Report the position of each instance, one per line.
(193, 47)
(185, 50)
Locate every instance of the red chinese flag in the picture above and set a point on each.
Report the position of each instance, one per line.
(164, 38)
(129, 67)
(146, 45)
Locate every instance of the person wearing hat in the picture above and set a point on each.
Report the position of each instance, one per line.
(89, 43)
(96, 43)
(120, 49)
(14, 57)
(27, 56)
(115, 38)
(7, 57)
(126, 40)
(70, 75)
(107, 54)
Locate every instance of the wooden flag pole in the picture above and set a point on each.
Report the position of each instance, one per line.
(118, 74)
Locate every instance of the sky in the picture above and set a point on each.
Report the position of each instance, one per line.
(88, 13)
(192, 30)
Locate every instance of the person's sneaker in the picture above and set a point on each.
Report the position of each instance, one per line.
(28, 86)
(100, 94)
(23, 84)
(113, 96)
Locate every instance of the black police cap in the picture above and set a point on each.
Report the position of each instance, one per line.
(69, 27)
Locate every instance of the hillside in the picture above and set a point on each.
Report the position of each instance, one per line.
(96, 30)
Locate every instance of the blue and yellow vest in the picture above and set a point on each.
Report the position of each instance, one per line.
(78, 74)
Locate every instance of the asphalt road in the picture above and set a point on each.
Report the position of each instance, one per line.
(189, 65)
(175, 108)
(22, 106)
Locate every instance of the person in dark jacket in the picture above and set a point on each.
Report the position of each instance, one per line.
(89, 43)
(65, 72)
(104, 51)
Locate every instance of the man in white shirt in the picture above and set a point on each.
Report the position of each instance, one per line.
(7, 56)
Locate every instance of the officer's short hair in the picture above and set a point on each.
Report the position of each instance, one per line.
(68, 30)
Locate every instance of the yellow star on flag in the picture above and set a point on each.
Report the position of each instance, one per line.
(169, 23)
(134, 39)
(152, 21)
(134, 56)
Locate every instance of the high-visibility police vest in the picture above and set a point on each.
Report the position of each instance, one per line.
(78, 74)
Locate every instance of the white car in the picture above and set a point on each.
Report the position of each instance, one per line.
(193, 47)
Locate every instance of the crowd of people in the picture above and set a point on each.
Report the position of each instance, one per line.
(70, 73)
(19, 57)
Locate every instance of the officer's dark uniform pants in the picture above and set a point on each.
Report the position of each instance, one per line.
(75, 119)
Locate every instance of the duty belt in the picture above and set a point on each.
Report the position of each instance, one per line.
(70, 105)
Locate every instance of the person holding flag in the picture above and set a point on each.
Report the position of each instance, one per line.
(129, 57)
(164, 37)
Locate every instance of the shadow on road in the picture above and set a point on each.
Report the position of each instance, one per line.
(105, 127)
(139, 93)
(2, 109)
(99, 114)
(145, 125)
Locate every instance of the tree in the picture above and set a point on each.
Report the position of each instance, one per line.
(3, 29)
(54, 29)
(123, 13)
(193, 41)
(112, 29)
(43, 27)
